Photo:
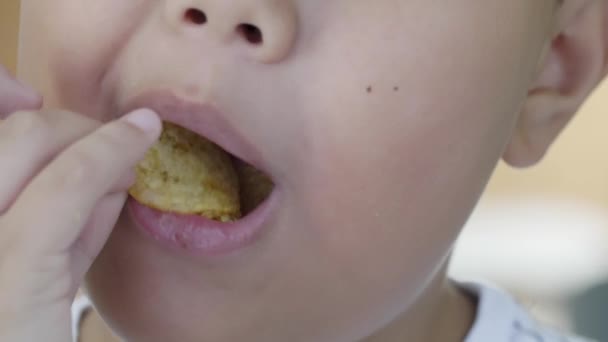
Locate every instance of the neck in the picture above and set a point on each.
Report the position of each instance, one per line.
(443, 313)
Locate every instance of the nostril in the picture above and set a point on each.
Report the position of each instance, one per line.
(251, 33)
(195, 16)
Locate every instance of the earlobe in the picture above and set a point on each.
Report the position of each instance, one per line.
(576, 61)
(539, 124)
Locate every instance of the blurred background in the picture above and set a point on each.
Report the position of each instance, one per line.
(541, 233)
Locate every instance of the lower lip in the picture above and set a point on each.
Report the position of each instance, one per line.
(198, 235)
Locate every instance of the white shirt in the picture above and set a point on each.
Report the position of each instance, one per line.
(499, 319)
(79, 307)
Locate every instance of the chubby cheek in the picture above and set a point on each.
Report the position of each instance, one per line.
(407, 131)
(66, 46)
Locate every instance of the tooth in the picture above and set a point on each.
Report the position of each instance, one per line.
(187, 174)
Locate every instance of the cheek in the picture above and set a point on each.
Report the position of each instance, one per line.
(407, 136)
(66, 45)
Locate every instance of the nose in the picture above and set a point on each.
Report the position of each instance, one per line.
(267, 28)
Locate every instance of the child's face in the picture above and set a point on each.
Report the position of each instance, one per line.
(379, 121)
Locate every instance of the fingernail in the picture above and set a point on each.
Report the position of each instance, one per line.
(144, 119)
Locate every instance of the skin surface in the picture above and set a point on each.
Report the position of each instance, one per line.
(380, 123)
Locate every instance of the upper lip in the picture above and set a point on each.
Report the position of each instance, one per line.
(203, 119)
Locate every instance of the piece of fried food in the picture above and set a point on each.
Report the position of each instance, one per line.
(255, 186)
(187, 174)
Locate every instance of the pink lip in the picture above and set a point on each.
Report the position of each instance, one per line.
(203, 119)
(190, 233)
(200, 236)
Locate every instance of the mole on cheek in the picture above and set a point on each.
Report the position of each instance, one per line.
(370, 89)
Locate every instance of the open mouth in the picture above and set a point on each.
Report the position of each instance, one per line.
(185, 173)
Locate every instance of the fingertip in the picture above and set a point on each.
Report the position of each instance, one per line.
(145, 120)
(24, 90)
(32, 101)
(27, 90)
(16, 96)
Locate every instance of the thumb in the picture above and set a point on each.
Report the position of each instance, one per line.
(96, 232)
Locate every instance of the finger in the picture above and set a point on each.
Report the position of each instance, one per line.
(66, 191)
(29, 140)
(15, 95)
(96, 232)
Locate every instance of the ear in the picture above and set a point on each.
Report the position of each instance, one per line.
(575, 63)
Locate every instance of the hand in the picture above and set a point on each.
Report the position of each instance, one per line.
(15, 96)
(63, 182)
